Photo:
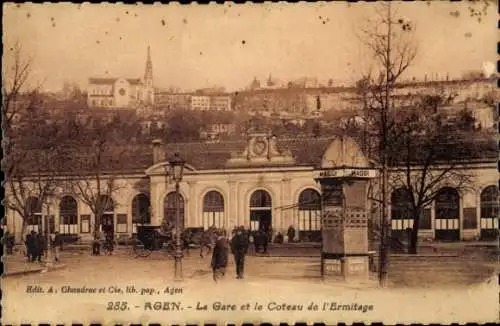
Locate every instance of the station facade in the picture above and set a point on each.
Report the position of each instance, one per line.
(265, 183)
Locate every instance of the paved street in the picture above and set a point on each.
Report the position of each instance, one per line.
(442, 269)
(267, 279)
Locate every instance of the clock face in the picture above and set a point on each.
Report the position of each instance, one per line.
(121, 91)
(259, 147)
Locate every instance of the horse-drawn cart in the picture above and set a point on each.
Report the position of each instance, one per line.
(151, 238)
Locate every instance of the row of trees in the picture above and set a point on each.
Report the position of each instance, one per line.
(37, 149)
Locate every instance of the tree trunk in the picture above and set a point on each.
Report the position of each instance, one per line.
(23, 228)
(412, 244)
(97, 224)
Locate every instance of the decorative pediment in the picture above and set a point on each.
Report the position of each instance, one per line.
(262, 149)
(162, 168)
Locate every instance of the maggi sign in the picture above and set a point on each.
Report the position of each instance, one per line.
(346, 173)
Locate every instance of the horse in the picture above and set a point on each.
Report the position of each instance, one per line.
(205, 239)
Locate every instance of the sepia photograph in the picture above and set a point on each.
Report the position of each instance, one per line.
(329, 162)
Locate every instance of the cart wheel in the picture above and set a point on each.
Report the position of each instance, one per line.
(140, 250)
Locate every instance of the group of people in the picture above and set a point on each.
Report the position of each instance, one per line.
(8, 242)
(36, 245)
(239, 247)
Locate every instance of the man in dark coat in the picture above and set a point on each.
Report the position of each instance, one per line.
(239, 247)
(291, 233)
(219, 256)
(265, 240)
(30, 243)
(38, 247)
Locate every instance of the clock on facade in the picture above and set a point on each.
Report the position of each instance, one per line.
(121, 91)
(259, 146)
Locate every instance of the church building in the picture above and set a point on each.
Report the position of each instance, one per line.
(118, 92)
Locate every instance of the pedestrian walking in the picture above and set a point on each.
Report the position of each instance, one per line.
(239, 247)
(109, 243)
(219, 256)
(38, 247)
(8, 242)
(30, 246)
(57, 244)
(291, 233)
(97, 243)
(265, 240)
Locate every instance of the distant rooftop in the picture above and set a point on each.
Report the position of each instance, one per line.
(112, 80)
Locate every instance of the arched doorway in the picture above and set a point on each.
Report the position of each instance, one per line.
(108, 212)
(401, 218)
(68, 215)
(309, 215)
(447, 214)
(489, 213)
(141, 213)
(213, 210)
(169, 209)
(260, 211)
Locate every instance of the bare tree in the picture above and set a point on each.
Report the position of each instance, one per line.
(426, 155)
(417, 150)
(389, 41)
(96, 166)
(18, 93)
(31, 146)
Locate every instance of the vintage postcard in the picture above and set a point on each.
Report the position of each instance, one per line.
(225, 163)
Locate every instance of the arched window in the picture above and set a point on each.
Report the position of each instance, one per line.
(34, 219)
(447, 213)
(260, 211)
(401, 204)
(260, 199)
(141, 213)
(309, 214)
(169, 210)
(213, 210)
(68, 215)
(489, 210)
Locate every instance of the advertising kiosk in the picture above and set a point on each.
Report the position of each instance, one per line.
(344, 178)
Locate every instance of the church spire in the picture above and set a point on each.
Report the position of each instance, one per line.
(148, 74)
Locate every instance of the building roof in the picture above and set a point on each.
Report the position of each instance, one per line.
(308, 152)
(208, 156)
(112, 80)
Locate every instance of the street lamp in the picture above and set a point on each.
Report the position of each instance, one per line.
(176, 165)
(49, 263)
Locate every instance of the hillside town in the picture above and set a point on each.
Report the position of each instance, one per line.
(302, 107)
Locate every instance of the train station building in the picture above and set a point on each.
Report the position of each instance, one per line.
(262, 182)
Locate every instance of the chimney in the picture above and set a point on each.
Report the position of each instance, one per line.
(158, 151)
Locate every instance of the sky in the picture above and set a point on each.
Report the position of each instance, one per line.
(197, 46)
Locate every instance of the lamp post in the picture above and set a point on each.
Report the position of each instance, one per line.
(49, 263)
(176, 165)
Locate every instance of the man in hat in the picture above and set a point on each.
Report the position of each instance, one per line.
(220, 255)
(239, 247)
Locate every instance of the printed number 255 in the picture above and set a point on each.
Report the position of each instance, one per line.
(117, 305)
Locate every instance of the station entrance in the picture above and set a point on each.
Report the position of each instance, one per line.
(260, 211)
